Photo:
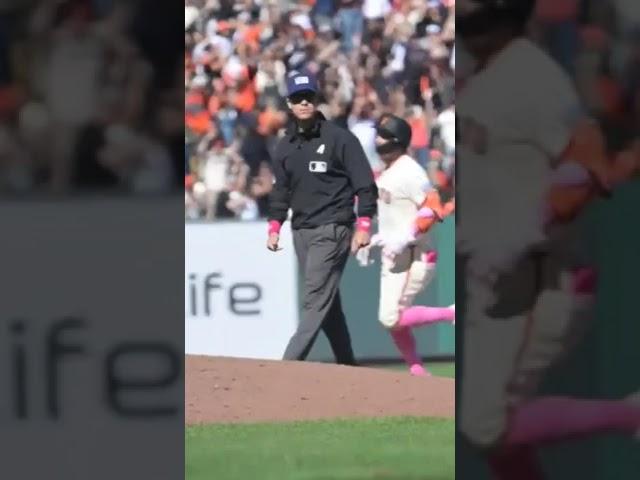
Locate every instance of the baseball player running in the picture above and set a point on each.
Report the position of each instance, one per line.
(407, 207)
(530, 161)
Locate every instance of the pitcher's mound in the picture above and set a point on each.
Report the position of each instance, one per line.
(226, 390)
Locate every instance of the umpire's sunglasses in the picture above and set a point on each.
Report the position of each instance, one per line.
(298, 98)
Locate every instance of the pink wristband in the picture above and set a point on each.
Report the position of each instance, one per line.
(431, 256)
(274, 227)
(363, 224)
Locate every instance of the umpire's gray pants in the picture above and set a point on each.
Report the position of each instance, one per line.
(322, 252)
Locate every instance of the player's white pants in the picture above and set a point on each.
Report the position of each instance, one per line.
(514, 331)
(401, 280)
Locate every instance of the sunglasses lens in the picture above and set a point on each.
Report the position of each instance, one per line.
(296, 99)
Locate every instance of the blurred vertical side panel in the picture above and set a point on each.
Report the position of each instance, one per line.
(546, 240)
(91, 320)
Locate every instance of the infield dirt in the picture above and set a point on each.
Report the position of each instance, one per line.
(230, 390)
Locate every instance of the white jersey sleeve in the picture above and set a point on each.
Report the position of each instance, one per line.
(402, 191)
(417, 185)
(557, 110)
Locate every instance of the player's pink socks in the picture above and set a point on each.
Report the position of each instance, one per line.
(419, 315)
(549, 419)
(403, 338)
(406, 343)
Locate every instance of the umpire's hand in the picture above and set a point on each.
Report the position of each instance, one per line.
(360, 239)
(272, 242)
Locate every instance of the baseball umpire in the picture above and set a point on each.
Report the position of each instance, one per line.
(319, 171)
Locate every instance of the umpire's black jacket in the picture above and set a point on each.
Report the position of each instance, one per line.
(318, 174)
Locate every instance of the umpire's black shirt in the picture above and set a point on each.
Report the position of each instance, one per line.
(318, 173)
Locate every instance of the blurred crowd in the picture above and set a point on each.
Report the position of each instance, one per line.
(597, 42)
(90, 97)
(370, 56)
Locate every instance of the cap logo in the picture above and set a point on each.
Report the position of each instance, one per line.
(301, 80)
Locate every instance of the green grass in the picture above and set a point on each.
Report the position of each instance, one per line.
(439, 369)
(372, 449)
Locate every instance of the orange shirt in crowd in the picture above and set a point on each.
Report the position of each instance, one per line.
(594, 37)
(556, 10)
(245, 98)
(270, 121)
(194, 98)
(224, 25)
(11, 97)
(610, 95)
(251, 36)
(419, 133)
(214, 105)
(441, 179)
(425, 85)
(199, 123)
(199, 120)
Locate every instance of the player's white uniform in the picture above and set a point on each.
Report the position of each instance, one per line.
(510, 135)
(402, 189)
(512, 130)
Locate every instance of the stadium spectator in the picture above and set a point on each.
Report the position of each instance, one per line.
(370, 56)
(78, 80)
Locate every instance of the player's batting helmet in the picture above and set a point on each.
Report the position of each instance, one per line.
(478, 17)
(394, 129)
